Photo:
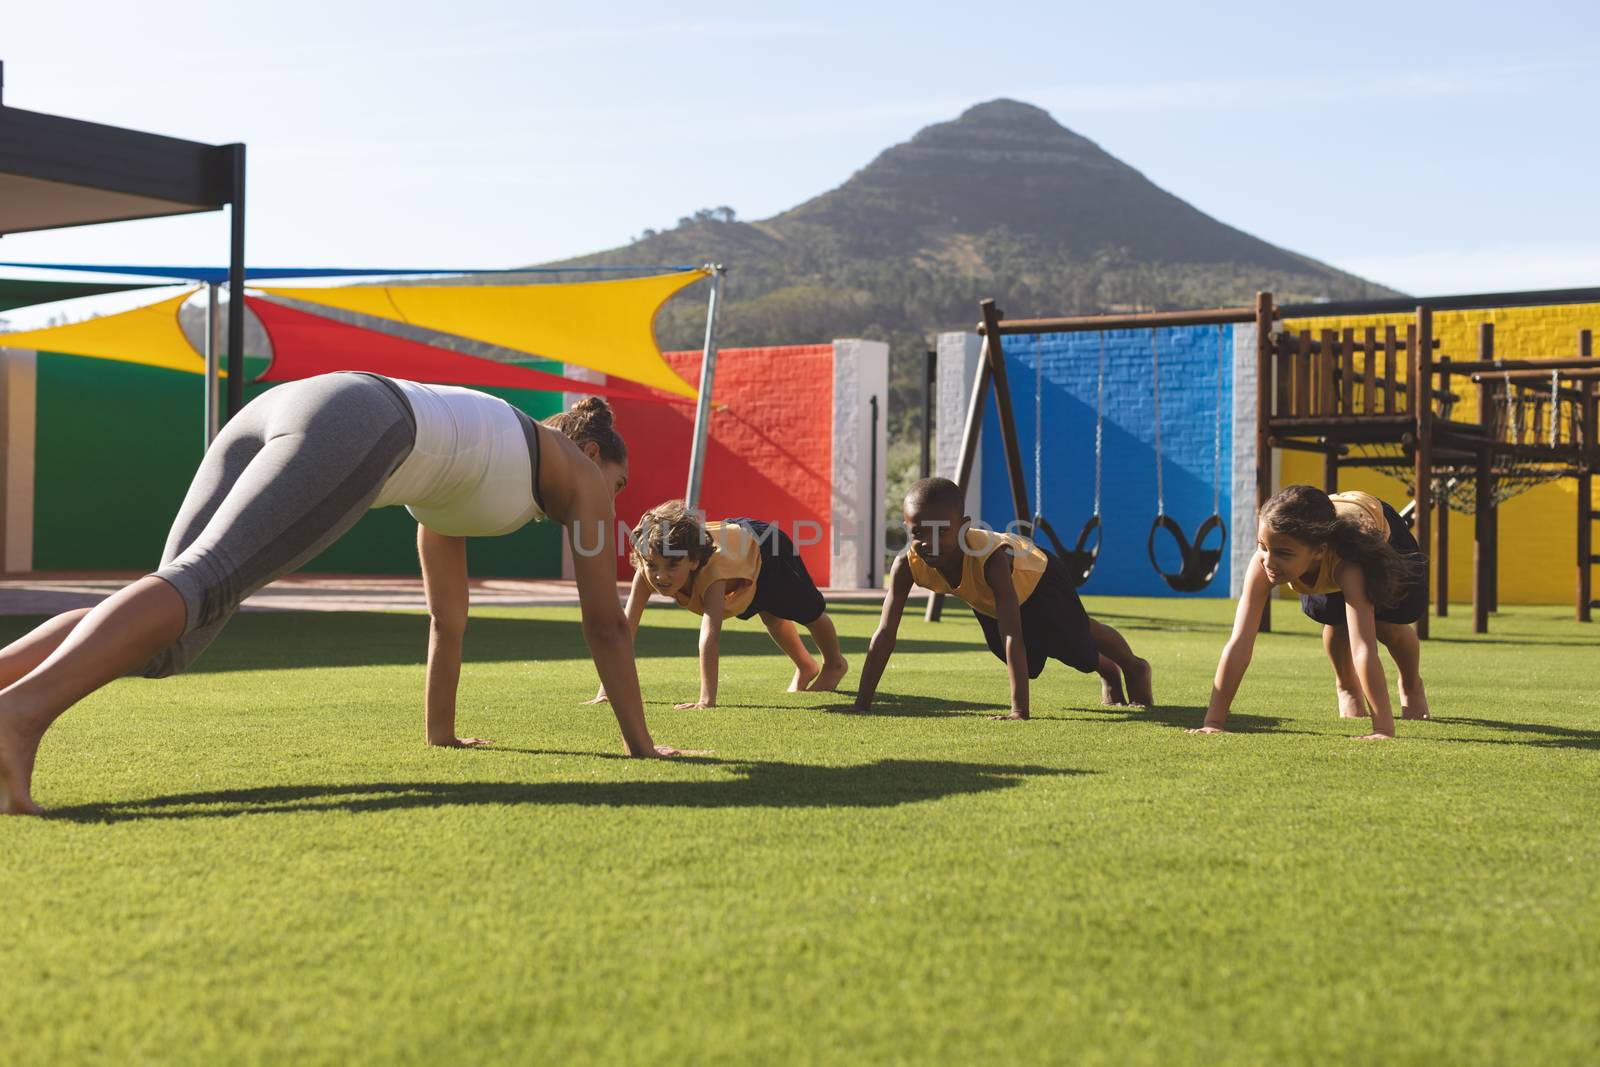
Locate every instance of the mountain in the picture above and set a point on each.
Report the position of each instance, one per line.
(1003, 201)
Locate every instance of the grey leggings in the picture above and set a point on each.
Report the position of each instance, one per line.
(283, 480)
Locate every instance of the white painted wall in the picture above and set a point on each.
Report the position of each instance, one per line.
(860, 373)
(1242, 522)
(959, 354)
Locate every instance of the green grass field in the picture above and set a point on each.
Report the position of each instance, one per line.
(260, 862)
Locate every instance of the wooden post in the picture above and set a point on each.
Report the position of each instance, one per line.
(1327, 402)
(1303, 398)
(1586, 412)
(1483, 492)
(1418, 390)
(1347, 372)
(1264, 394)
(1370, 349)
(1442, 591)
(1002, 402)
(1492, 527)
(970, 432)
(1330, 468)
(1389, 343)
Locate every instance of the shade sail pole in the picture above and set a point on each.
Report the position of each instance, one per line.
(708, 370)
(236, 306)
(213, 365)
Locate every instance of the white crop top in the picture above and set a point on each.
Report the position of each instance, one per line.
(470, 473)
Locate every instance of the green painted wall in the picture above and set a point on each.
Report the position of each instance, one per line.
(117, 444)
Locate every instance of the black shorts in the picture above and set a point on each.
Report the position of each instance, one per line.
(784, 587)
(1328, 608)
(1054, 624)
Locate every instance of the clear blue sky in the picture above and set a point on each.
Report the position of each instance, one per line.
(1436, 148)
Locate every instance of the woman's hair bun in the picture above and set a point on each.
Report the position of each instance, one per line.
(591, 420)
(593, 407)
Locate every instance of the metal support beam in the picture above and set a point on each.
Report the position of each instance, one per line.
(213, 347)
(236, 310)
(708, 372)
(970, 433)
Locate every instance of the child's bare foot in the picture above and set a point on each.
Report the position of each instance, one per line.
(1015, 716)
(1140, 684)
(18, 748)
(1414, 705)
(828, 679)
(803, 677)
(1351, 706)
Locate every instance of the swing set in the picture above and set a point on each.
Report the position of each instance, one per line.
(1199, 562)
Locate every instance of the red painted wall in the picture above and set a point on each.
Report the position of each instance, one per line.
(771, 443)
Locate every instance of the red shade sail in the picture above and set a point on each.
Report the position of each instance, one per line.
(305, 345)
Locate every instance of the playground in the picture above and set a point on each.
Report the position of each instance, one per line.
(311, 572)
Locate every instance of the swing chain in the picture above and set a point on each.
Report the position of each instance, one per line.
(1216, 439)
(1155, 365)
(1099, 410)
(1038, 432)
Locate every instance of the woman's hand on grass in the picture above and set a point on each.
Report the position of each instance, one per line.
(667, 751)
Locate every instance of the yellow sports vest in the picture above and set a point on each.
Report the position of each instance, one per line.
(1368, 510)
(735, 559)
(1027, 567)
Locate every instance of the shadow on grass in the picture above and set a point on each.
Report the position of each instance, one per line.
(1182, 717)
(1510, 639)
(910, 705)
(291, 640)
(881, 784)
(1164, 624)
(1540, 735)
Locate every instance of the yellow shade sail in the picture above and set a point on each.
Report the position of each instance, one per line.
(148, 335)
(605, 326)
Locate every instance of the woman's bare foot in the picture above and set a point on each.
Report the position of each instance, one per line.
(803, 677)
(1414, 702)
(1140, 684)
(1351, 706)
(18, 748)
(828, 679)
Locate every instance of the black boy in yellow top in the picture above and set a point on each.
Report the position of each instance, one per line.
(742, 567)
(1022, 597)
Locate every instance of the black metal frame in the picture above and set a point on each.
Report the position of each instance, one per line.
(181, 177)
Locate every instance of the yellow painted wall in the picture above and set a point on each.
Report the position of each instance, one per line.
(1538, 529)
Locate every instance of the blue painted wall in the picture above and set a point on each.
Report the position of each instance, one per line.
(1067, 367)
